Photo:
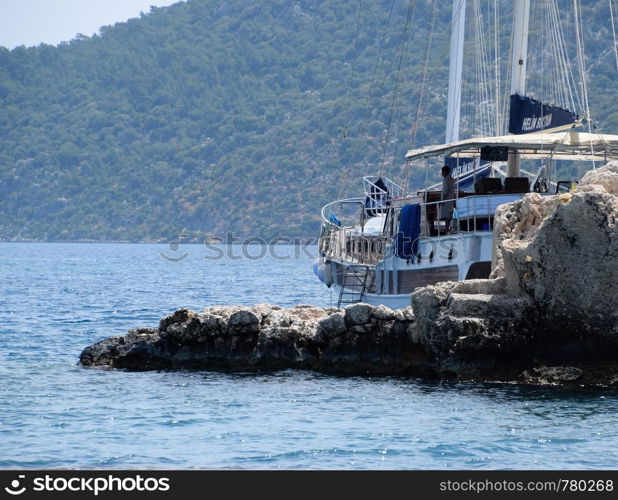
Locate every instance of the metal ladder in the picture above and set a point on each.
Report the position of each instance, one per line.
(355, 279)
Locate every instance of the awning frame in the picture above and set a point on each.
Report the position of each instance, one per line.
(579, 146)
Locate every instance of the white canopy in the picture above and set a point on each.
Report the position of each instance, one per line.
(569, 145)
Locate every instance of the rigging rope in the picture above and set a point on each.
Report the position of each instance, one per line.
(419, 105)
(582, 69)
(424, 78)
(499, 126)
(489, 127)
(346, 170)
(358, 16)
(400, 108)
(411, 7)
(481, 104)
(611, 13)
(560, 82)
(563, 64)
(506, 91)
(478, 63)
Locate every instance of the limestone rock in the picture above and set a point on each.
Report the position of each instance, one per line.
(244, 321)
(429, 304)
(382, 312)
(605, 177)
(553, 296)
(357, 314)
(518, 221)
(138, 348)
(569, 269)
(186, 332)
(179, 316)
(331, 326)
(361, 339)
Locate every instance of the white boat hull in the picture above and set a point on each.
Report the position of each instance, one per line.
(391, 282)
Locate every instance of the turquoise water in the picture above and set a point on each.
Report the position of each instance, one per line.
(55, 299)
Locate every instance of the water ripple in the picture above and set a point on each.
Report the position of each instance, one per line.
(58, 298)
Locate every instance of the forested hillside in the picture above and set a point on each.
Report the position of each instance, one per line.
(212, 116)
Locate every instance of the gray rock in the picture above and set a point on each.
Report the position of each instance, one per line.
(357, 314)
(136, 350)
(244, 321)
(383, 313)
(332, 325)
(264, 337)
(569, 268)
(186, 332)
(604, 179)
(179, 316)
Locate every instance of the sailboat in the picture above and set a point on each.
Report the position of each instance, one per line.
(399, 242)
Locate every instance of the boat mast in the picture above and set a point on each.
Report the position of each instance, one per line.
(518, 68)
(455, 70)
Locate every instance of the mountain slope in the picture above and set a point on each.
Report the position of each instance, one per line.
(213, 116)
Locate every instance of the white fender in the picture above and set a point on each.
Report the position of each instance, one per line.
(318, 269)
(323, 270)
(328, 273)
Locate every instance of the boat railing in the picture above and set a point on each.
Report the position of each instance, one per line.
(328, 211)
(431, 220)
(380, 190)
(469, 213)
(353, 244)
(349, 242)
(371, 184)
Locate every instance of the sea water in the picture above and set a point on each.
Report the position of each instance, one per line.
(55, 299)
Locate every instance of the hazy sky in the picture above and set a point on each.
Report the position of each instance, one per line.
(30, 22)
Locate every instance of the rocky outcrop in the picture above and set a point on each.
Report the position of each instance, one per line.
(548, 315)
(358, 340)
(551, 307)
(604, 179)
